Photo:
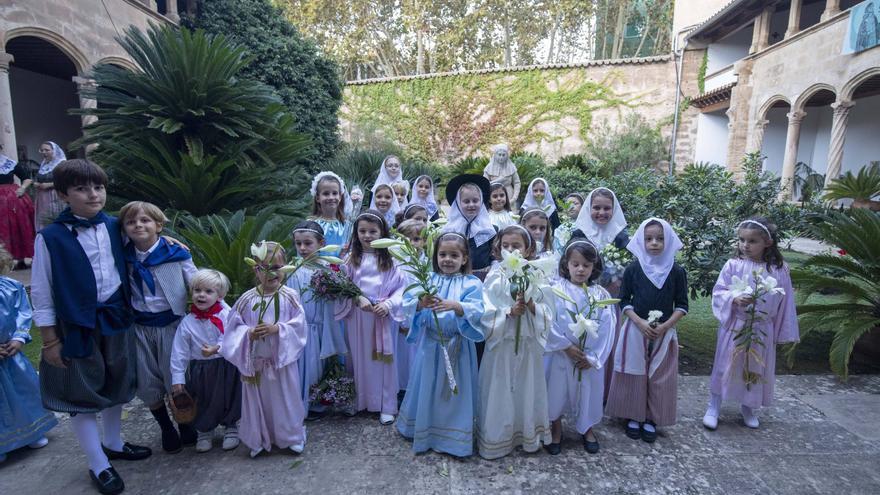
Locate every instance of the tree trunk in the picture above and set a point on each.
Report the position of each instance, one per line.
(420, 49)
(619, 30)
(644, 35)
(553, 37)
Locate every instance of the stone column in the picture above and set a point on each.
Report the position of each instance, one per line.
(838, 138)
(832, 7)
(758, 136)
(7, 123)
(761, 32)
(86, 101)
(171, 10)
(794, 19)
(791, 149)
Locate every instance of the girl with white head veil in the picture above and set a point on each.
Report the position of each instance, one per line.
(390, 172)
(467, 195)
(502, 169)
(601, 221)
(384, 201)
(423, 194)
(653, 297)
(538, 195)
(331, 209)
(47, 205)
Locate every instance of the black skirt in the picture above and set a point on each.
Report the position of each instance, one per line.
(215, 385)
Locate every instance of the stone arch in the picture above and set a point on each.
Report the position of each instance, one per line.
(80, 61)
(805, 96)
(846, 94)
(120, 62)
(770, 103)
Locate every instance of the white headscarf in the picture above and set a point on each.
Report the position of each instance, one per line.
(346, 199)
(430, 204)
(392, 210)
(6, 164)
(479, 229)
(600, 235)
(656, 268)
(58, 156)
(385, 177)
(502, 169)
(548, 205)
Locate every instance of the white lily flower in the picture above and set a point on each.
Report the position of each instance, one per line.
(385, 243)
(260, 251)
(513, 263)
(583, 326)
(333, 260)
(770, 285)
(546, 265)
(286, 269)
(741, 287)
(654, 315)
(332, 248)
(563, 295)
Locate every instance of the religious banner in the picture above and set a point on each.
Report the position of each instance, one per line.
(864, 27)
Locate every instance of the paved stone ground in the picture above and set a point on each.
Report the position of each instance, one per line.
(819, 437)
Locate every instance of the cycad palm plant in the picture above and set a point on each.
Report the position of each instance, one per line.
(854, 273)
(184, 130)
(861, 187)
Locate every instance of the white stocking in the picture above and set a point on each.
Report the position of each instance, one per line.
(112, 420)
(85, 426)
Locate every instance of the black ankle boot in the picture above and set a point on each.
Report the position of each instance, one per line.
(188, 434)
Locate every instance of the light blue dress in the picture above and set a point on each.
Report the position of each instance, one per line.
(431, 415)
(335, 233)
(22, 418)
(325, 339)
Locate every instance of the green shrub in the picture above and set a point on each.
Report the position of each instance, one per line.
(308, 83)
(634, 143)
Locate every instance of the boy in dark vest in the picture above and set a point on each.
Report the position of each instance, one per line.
(159, 273)
(82, 307)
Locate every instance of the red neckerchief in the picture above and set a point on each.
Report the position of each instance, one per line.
(209, 314)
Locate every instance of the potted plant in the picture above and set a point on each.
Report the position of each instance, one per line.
(854, 272)
(862, 187)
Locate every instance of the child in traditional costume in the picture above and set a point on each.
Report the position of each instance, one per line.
(159, 274)
(423, 194)
(539, 196)
(371, 319)
(563, 233)
(654, 296)
(389, 172)
(757, 255)
(331, 208)
(536, 221)
(266, 350)
(499, 206)
(384, 201)
(81, 305)
(197, 368)
(577, 350)
(412, 211)
(401, 190)
(438, 409)
(325, 340)
(414, 230)
(468, 195)
(25, 422)
(513, 390)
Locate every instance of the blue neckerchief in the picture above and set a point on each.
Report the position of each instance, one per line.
(67, 217)
(164, 253)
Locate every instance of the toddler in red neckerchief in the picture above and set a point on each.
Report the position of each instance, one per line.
(199, 369)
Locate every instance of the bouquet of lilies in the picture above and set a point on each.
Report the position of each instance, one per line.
(653, 321)
(749, 338)
(583, 320)
(260, 252)
(412, 262)
(615, 261)
(527, 277)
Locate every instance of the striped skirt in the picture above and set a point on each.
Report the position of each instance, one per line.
(91, 384)
(647, 398)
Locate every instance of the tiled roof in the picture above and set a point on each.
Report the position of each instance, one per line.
(588, 63)
(748, 9)
(717, 95)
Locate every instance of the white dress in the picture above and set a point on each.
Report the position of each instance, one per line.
(513, 390)
(578, 398)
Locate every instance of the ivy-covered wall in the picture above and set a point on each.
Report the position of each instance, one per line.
(550, 111)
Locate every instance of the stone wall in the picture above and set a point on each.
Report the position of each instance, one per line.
(613, 90)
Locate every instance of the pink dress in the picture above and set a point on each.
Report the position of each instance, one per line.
(371, 340)
(272, 410)
(779, 325)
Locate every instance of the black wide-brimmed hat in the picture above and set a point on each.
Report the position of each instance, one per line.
(459, 180)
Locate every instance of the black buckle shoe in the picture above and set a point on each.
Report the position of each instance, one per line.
(553, 448)
(634, 433)
(188, 434)
(591, 447)
(649, 436)
(129, 452)
(107, 481)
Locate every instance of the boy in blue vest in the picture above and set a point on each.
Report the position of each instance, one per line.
(159, 273)
(81, 306)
